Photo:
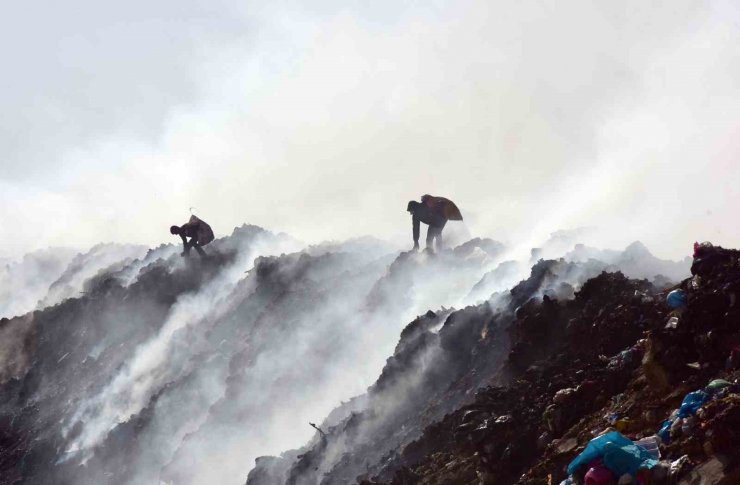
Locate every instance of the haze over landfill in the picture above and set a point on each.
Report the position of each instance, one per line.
(322, 119)
(381, 243)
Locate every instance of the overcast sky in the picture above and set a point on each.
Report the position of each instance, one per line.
(323, 118)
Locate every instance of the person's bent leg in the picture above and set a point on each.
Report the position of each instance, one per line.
(432, 232)
(440, 245)
(199, 249)
(439, 240)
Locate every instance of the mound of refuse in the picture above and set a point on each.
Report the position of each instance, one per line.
(136, 366)
(152, 367)
(56, 358)
(574, 376)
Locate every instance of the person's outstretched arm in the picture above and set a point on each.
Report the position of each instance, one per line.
(416, 224)
(185, 246)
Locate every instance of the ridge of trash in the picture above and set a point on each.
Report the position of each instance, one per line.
(627, 382)
(495, 392)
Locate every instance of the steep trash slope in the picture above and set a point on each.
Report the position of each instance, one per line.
(164, 370)
(441, 359)
(162, 366)
(575, 369)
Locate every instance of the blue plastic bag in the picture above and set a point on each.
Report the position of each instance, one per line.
(665, 431)
(676, 299)
(618, 453)
(691, 403)
(627, 459)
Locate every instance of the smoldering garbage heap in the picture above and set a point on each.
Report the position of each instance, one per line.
(407, 426)
(65, 352)
(440, 360)
(76, 343)
(607, 360)
(64, 357)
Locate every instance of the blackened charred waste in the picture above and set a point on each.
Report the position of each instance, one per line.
(513, 390)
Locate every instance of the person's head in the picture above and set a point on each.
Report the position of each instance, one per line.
(412, 206)
(174, 229)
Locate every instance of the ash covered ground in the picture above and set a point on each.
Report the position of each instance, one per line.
(129, 365)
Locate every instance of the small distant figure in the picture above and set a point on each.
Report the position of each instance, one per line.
(199, 232)
(435, 212)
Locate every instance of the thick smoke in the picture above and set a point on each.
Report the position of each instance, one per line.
(166, 366)
(156, 363)
(101, 258)
(24, 282)
(439, 359)
(323, 119)
(46, 277)
(263, 349)
(330, 310)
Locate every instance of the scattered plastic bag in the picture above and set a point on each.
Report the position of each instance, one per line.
(676, 299)
(627, 458)
(664, 433)
(672, 323)
(691, 403)
(618, 453)
(622, 425)
(717, 385)
(651, 445)
(598, 474)
(678, 466)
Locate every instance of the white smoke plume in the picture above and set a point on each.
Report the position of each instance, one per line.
(223, 360)
(278, 348)
(24, 282)
(154, 364)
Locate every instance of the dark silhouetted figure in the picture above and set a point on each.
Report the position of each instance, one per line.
(435, 212)
(199, 232)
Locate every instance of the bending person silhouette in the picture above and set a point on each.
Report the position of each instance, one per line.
(199, 232)
(435, 212)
